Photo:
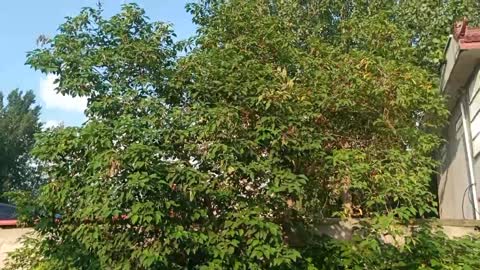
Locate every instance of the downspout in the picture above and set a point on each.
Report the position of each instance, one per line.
(469, 152)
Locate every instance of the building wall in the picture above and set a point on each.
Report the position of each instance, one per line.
(474, 115)
(454, 202)
(345, 230)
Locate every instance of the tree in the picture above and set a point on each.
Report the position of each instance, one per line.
(19, 122)
(283, 113)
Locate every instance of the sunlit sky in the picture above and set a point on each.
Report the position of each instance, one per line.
(22, 21)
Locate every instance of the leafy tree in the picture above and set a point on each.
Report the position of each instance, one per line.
(282, 114)
(19, 122)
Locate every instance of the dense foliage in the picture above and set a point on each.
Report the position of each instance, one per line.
(281, 114)
(19, 122)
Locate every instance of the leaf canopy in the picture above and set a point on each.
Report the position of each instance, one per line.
(282, 113)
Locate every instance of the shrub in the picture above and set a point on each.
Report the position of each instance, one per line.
(271, 122)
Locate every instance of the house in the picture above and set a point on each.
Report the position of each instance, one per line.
(459, 178)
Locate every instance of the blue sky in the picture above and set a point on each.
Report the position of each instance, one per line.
(22, 21)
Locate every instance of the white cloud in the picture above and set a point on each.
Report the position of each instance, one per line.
(54, 100)
(52, 123)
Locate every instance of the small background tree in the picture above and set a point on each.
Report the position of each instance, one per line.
(19, 122)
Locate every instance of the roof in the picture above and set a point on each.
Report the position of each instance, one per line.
(468, 37)
(462, 58)
(8, 215)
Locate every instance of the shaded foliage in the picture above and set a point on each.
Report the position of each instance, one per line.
(426, 248)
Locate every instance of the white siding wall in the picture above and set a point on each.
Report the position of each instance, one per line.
(474, 112)
(453, 179)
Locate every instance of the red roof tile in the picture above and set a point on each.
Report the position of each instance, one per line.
(8, 222)
(467, 37)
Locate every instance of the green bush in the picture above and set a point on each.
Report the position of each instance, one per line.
(425, 248)
(280, 114)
